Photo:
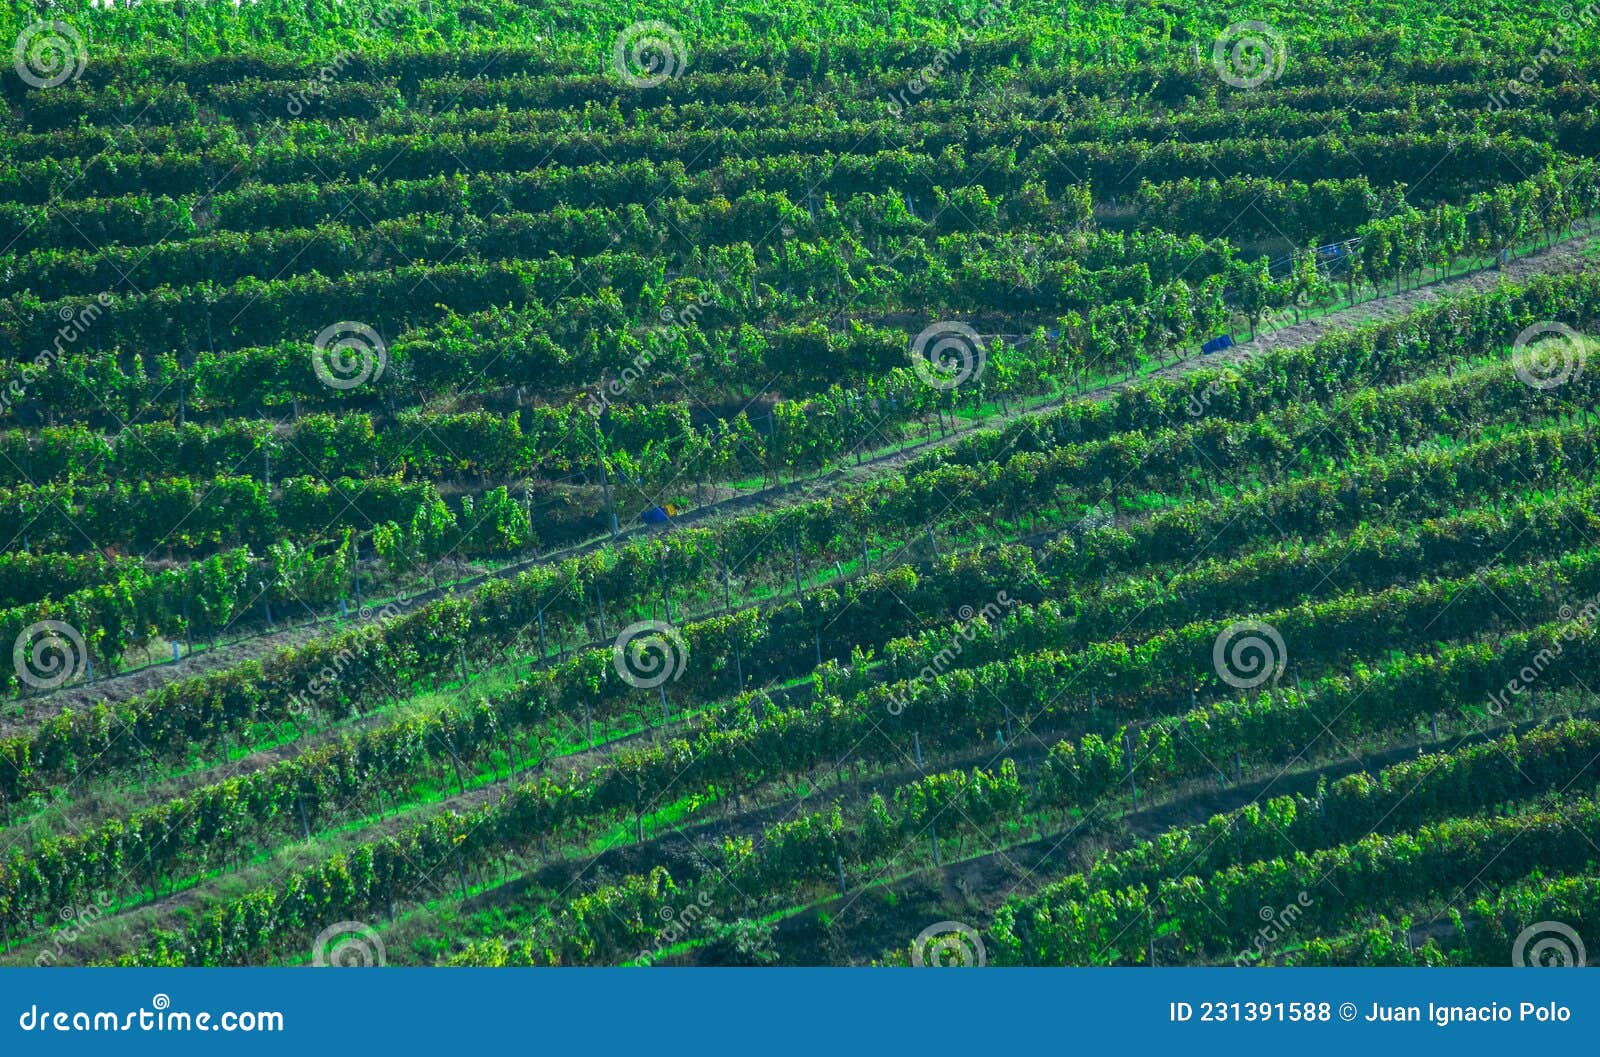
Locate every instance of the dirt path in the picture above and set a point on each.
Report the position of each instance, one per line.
(983, 881)
(761, 807)
(1564, 257)
(868, 928)
(169, 910)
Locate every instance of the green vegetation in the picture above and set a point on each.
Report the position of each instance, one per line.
(513, 478)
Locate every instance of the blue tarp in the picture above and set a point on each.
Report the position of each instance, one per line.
(1217, 344)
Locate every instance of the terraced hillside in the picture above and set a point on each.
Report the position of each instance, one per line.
(489, 485)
